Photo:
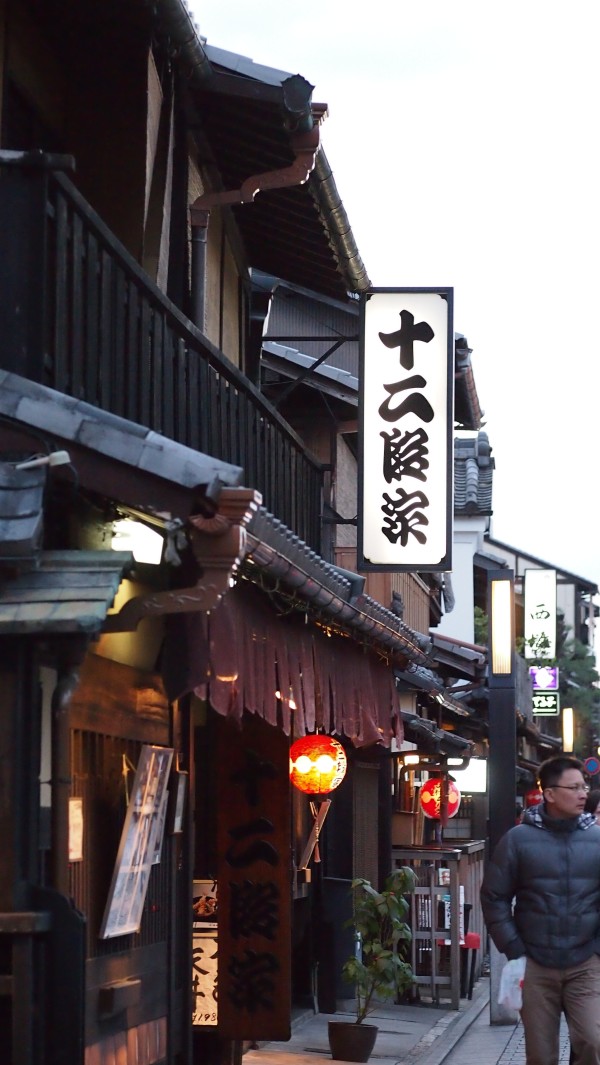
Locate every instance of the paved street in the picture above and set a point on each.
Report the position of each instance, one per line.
(413, 1035)
(484, 1044)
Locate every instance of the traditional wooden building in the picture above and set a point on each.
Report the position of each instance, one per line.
(148, 707)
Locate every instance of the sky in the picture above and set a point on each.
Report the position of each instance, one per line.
(463, 140)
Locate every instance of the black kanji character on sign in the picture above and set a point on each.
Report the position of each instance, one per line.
(540, 645)
(255, 771)
(254, 909)
(405, 337)
(540, 612)
(259, 850)
(198, 954)
(402, 517)
(404, 455)
(413, 404)
(252, 981)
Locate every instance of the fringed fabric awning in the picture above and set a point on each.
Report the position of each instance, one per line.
(244, 656)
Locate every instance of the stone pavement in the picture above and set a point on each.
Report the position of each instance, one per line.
(484, 1044)
(412, 1035)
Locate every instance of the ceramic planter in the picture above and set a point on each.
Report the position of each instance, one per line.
(351, 1042)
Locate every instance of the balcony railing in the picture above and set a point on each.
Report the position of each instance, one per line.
(78, 314)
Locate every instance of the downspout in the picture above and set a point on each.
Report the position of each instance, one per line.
(305, 146)
(68, 679)
(199, 241)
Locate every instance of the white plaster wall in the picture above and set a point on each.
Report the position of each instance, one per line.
(466, 542)
(565, 592)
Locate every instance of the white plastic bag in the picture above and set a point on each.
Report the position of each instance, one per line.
(511, 984)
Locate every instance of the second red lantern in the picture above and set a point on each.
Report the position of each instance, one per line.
(430, 798)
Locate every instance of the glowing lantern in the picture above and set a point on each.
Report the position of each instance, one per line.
(430, 798)
(317, 764)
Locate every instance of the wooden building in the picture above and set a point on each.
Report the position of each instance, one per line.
(131, 389)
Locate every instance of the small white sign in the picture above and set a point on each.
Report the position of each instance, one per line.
(205, 949)
(75, 830)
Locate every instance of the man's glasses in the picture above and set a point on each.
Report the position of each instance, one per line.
(572, 787)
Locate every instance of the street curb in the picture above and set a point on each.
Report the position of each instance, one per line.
(448, 1031)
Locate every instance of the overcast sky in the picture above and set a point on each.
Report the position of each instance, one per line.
(463, 138)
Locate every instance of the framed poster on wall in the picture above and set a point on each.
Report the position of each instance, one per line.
(140, 842)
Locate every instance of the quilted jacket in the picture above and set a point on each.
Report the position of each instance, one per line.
(541, 890)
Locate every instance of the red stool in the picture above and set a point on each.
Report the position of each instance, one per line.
(471, 942)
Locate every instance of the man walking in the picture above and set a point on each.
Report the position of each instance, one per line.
(550, 866)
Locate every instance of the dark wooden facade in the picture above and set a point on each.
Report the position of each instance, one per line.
(113, 124)
(82, 317)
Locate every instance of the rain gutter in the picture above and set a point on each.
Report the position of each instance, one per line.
(184, 33)
(348, 615)
(305, 146)
(323, 186)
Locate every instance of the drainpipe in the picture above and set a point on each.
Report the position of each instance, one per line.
(199, 241)
(304, 143)
(68, 679)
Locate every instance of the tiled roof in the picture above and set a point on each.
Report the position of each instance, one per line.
(274, 549)
(141, 450)
(473, 474)
(70, 591)
(467, 411)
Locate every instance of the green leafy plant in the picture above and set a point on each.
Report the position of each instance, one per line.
(379, 916)
(481, 626)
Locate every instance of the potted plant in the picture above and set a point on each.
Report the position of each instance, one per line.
(379, 969)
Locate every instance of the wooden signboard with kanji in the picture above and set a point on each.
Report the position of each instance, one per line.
(254, 881)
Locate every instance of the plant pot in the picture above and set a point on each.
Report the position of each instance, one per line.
(351, 1042)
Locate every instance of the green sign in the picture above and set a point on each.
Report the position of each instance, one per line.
(546, 703)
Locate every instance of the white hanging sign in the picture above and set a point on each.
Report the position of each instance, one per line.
(540, 614)
(406, 424)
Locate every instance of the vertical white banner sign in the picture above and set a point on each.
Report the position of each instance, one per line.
(540, 614)
(406, 430)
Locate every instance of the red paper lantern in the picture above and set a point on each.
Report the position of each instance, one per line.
(533, 797)
(430, 798)
(317, 764)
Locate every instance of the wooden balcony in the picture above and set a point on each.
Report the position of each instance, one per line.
(78, 314)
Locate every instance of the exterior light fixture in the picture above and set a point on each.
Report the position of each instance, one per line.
(472, 778)
(502, 627)
(502, 733)
(502, 719)
(145, 544)
(431, 798)
(317, 764)
(568, 729)
(411, 759)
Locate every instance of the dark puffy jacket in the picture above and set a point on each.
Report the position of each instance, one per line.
(551, 868)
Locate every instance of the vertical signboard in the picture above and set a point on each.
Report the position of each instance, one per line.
(540, 614)
(406, 426)
(205, 954)
(255, 892)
